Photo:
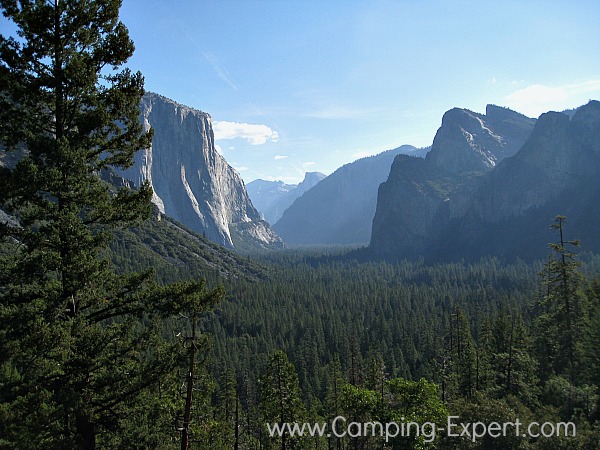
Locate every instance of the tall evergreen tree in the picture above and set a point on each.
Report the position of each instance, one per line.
(80, 344)
(459, 376)
(230, 411)
(333, 397)
(483, 357)
(281, 398)
(564, 313)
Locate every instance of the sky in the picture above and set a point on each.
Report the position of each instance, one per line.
(295, 86)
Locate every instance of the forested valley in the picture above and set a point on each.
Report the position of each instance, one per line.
(369, 340)
(123, 329)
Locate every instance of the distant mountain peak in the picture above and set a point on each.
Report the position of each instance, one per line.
(272, 198)
(312, 178)
(496, 112)
(471, 142)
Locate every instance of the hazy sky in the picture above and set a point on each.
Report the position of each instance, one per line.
(295, 86)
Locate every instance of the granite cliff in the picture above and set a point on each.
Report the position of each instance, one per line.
(421, 196)
(469, 141)
(192, 182)
(495, 204)
(555, 172)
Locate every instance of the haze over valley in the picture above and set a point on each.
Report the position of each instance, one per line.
(299, 225)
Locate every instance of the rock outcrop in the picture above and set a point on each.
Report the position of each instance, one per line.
(555, 172)
(505, 211)
(192, 182)
(468, 141)
(420, 197)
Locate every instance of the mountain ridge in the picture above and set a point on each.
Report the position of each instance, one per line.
(272, 198)
(419, 198)
(340, 208)
(506, 210)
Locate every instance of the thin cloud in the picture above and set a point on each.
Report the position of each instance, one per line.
(221, 72)
(255, 134)
(280, 157)
(536, 99)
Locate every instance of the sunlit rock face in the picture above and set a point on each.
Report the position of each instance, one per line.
(192, 182)
(422, 198)
(468, 141)
(475, 197)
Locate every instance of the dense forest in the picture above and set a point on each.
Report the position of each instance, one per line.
(120, 328)
(373, 341)
(490, 341)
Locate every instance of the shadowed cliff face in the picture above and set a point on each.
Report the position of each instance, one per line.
(192, 182)
(428, 210)
(555, 172)
(340, 208)
(421, 197)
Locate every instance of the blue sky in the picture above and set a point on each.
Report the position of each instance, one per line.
(295, 86)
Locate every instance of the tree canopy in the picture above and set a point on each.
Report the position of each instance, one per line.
(80, 343)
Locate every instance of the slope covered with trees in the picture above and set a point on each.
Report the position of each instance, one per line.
(482, 341)
(107, 334)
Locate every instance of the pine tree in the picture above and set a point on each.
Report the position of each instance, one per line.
(484, 378)
(230, 410)
(333, 397)
(80, 344)
(592, 360)
(281, 397)
(194, 418)
(564, 315)
(511, 359)
(460, 369)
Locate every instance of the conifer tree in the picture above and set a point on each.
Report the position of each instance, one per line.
(564, 314)
(460, 372)
(484, 378)
(80, 344)
(251, 435)
(511, 359)
(592, 360)
(280, 397)
(333, 394)
(230, 411)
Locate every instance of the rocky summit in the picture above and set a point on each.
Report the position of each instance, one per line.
(192, 182)
(415, 204)
(482, 204)
(469, 141)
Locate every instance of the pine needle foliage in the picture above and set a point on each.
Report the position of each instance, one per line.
(80, 344)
